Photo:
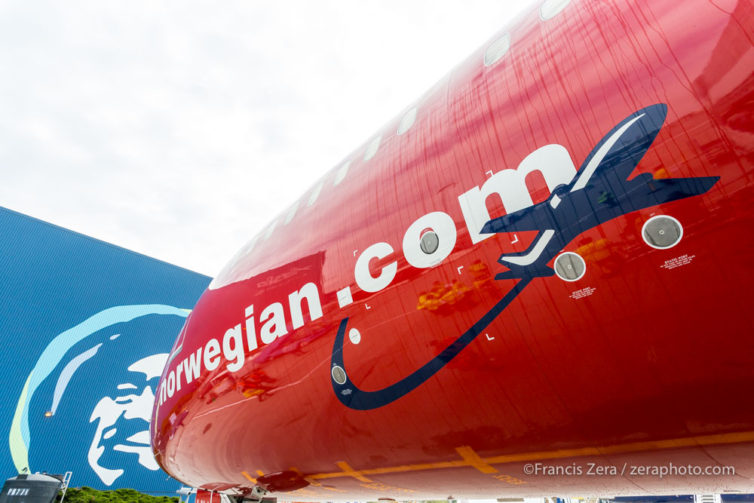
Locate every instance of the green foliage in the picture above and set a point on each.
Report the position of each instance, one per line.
(89, 495)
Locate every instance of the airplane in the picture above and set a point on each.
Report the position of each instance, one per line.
(599, 192)
(366, 345)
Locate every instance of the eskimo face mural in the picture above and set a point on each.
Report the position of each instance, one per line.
(115, 416)
(89, 398)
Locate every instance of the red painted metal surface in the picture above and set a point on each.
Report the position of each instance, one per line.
(207, 497)
(647, 359)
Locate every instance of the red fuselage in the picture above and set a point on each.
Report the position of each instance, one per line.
(362, 345)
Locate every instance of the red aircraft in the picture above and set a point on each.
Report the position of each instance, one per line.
(534, 281)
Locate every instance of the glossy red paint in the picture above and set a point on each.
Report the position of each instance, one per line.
(207, 497)
(647, 359)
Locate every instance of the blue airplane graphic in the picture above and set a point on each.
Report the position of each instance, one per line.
(599, 192)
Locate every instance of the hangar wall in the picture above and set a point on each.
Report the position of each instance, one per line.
(85, 329)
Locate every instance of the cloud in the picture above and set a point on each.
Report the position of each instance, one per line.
(178, 129)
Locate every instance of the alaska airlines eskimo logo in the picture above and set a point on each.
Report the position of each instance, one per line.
(599, 192)
(121, 413)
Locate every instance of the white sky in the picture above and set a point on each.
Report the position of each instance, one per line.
(179, 129)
